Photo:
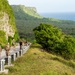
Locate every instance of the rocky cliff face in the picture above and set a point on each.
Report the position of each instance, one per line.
(5, 25)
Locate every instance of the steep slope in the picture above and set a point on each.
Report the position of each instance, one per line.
(38, 62)
(7, 22)
(25, 22)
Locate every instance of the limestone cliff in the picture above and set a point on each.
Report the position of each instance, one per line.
(7, 21)
(5, 25)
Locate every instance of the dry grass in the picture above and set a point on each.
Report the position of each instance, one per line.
(38, 62)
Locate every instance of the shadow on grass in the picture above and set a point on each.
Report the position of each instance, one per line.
(68, 63)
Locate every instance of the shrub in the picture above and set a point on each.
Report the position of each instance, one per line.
(54, 40)
(3, 40)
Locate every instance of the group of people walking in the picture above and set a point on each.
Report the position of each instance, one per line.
(7, 47)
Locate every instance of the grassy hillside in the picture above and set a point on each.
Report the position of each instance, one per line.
(38, 62)
(26, 22)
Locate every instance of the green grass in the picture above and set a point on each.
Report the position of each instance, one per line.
(38, 62)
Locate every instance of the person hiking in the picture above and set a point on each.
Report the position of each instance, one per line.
(20, 43)
(7, 48)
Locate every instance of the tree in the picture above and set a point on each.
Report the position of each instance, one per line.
(54, 40)
(68, 47)
(48, 36)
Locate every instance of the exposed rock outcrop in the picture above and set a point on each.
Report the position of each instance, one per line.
(5, 26)
(8, 30)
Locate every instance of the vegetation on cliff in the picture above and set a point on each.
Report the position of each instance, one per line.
(7, 21)
(24, 12)
(3, 40)
(5, 7)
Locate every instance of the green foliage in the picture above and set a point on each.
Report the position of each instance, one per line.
(16, 37)
(30, 11)
(10, 40)
(34, 42)
(3, 40)
(54, 40)
(48, 35)
(68, 47)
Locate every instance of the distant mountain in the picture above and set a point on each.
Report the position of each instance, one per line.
(22, 12)
(7, 23)
(27, 18)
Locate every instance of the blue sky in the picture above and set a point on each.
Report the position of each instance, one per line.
(47, 5)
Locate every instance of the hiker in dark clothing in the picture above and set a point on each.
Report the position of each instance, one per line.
(20, 43)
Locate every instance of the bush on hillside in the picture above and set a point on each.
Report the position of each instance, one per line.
(54, 40)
